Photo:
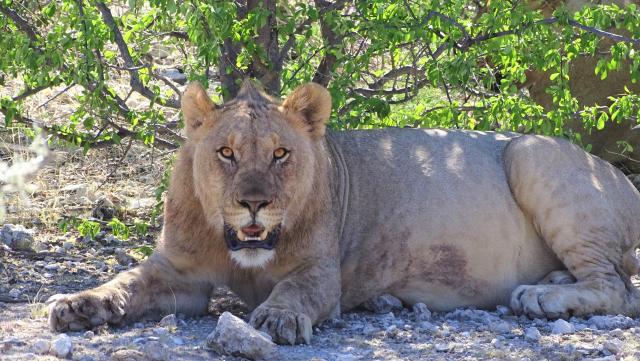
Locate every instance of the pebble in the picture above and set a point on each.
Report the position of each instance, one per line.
(177, 341)
(88, 335)
(500, 327)
(16, 237)
(61, 346)
(442, 347)
(421, 312)
(617, 333)
(346, 357)
(15, 293)
(532, 334)
(384, 303)
(67, 245)
(156, 351)
(614, 346)
(41, 347)
(611, 322)
(60, 250)
(169, 321)
(233, 336)
(52, 267)
(561, 327)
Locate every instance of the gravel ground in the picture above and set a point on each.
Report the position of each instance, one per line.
(393, 333)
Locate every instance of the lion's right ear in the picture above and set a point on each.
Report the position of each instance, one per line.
(197, 108)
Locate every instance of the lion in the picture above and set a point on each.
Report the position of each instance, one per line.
(303, 223)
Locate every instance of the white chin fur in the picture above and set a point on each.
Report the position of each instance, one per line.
(252, 258)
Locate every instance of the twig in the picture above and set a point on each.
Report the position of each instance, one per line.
(55, 96)
(135, 82)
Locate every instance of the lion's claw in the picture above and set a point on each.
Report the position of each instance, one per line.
(83, 311)
(284, 326)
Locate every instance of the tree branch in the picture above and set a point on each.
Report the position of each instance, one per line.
(20, 22)
(135, 82)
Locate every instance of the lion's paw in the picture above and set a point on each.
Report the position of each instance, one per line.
(284, 326)
(543, 301)
(83, 311)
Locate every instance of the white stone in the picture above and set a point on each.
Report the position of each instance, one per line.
(421, 312)
(15, 293)
(617, 333)
(614, 346)
(52, 267)
(611, 322)
(561, 327)
(532, 334)
(235, 337)
(62, 346)
(384, 303)
(41, 347)
(500, 327)
(88, 335)
(442, 347)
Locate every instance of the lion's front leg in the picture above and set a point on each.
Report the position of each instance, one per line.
(304, 298)
(153, 288)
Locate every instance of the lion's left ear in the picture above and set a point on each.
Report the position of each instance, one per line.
(313, 103)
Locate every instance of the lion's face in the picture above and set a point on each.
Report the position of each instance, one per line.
(253, 164)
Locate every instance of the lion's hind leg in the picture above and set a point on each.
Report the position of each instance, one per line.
(586, 211)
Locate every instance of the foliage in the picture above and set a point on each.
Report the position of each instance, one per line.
(445, 63)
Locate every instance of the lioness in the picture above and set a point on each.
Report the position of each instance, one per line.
(302, 223)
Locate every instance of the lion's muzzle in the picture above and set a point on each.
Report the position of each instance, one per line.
(235, 244)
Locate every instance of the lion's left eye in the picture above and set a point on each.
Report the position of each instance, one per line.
(280, 154)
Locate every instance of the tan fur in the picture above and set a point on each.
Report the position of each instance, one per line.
(448, 218)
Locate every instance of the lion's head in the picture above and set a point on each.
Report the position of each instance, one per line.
(255, 162)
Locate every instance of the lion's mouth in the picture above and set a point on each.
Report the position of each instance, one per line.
(252, 239)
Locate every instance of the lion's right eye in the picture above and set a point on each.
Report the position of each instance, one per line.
(226, 154)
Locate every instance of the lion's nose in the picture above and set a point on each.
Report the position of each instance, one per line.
(254, 206)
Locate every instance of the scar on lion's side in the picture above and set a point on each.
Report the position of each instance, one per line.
(447, 265)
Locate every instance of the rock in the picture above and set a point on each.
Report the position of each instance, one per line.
(384, 303)
(617, 333)
(561, 327)
(15, 293)
(346, 357)
(88, 335)
(52, 267)
(169, 321)
(127, 355)
(470, 315)
(16, 237)
(421, 312)
(177, 341)
(60, 250)
(174, 75)
(500, 327)
(532, 334)
(41, 347)
(103, 209)
(67, 245)
(442, 347)
(614, 346)
(61, 346)
(611, 322)
(369, 329)
(156, 351)
(235, 337)
(123, 258)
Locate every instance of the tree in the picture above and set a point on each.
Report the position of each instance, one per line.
(452, 64)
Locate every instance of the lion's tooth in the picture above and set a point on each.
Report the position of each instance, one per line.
(264, 234)
(252, 239)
